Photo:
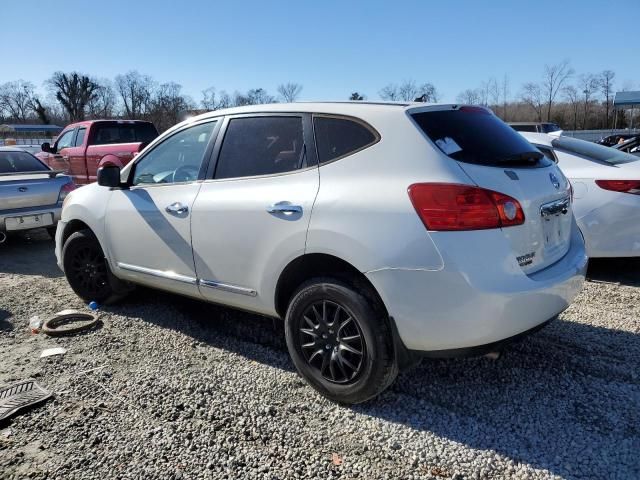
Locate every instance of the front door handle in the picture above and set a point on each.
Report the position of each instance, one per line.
(284, 207)
(177, 208)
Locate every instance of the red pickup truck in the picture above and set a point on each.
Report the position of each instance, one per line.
(84, 147)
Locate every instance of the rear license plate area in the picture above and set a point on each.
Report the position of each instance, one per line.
(553, 226)
(29, 221)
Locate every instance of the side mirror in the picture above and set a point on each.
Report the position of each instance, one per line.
(46, 147)
(109, 176)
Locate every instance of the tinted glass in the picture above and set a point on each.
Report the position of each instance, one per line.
(337, 137)
(546, 152)
(261, 146)
(593, 150)
(550, 127)
(11, 162)
(474, 135)
(124, 133)
(80, 136)
(176, 159)
(524, 128)
(65, 140)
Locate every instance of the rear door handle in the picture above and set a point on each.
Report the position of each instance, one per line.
(284, 207)
(177, 208)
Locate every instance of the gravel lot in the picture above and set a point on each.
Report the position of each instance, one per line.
(173, 388)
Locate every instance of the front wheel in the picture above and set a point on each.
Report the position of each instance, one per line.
(339, 342)
(87, 270)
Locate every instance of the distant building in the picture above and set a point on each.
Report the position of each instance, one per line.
(19, 129)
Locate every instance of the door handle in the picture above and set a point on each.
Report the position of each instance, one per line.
(284, 207)
(177, 208)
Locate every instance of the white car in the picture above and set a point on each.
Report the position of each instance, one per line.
(376, 231)
(606, 189)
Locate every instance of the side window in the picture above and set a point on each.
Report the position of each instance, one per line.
(261, 146)
(80, 136)
(65, 140)
(338, 137)
(547, 152)
(176, 159)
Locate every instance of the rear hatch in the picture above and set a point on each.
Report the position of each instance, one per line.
(25, 182)
(497, 158)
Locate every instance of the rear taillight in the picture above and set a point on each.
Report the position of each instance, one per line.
(65, 190)
(447, 206)
(623, 186)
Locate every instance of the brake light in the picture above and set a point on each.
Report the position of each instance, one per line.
(623, 186)
(454, 207)
(65, 190)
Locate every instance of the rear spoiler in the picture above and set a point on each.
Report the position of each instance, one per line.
(50, 173)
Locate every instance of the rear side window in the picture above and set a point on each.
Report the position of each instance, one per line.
(261, 146)
(11, 162)
(524, 128)
(338, 137)
(475, 135)
(80, 136)
(124, 133)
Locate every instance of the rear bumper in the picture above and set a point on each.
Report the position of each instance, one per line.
(478, 298)
(56, 210)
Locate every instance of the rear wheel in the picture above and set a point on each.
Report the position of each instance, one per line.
(339, 342)
(87, 270)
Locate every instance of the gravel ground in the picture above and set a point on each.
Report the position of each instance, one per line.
(173, 388)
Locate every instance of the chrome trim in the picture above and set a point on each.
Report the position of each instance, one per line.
(169, 275)
(555, 208)
(228, 288)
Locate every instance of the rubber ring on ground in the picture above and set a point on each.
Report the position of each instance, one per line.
(77, 322)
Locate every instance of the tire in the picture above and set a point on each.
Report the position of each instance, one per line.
(87, 270)
(324, 345)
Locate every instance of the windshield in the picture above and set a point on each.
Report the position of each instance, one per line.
(593, 150)
(475, 135)
(12, 162)
(550, 127)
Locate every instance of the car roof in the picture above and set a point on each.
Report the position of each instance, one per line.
(11, 148)
(539, 138)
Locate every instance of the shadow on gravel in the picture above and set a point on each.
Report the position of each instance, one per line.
(566, 399)
(625, 271)
(29, 253)
(4, 323)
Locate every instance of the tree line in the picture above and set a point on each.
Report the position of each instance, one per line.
(573, 101)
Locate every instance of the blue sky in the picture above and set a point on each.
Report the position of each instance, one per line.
(330, 47)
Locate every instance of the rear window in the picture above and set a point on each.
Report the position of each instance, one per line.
(593, 150)
(338, 137)
(524, 128)
(124, 133)
(550, 127)
(475, 135)
(12, 162)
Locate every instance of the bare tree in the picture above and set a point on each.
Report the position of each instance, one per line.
(168, 104)
(589, 85)
(104, 101)
(214, 100)
(289, 92)
(135, 90)
(532, 96)
(409, 91)
(74, 91)
(16, 99)
(40, 110)
(572, 97)
(389, 92)
(606, 87)
(355, 96)
(504, 87)
(427, 93)
(469, 97)
(255, 96)
(553, 79)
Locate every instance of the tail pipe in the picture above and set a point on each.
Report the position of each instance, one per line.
(3, 237)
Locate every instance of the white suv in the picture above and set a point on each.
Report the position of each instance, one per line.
(378, 232)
